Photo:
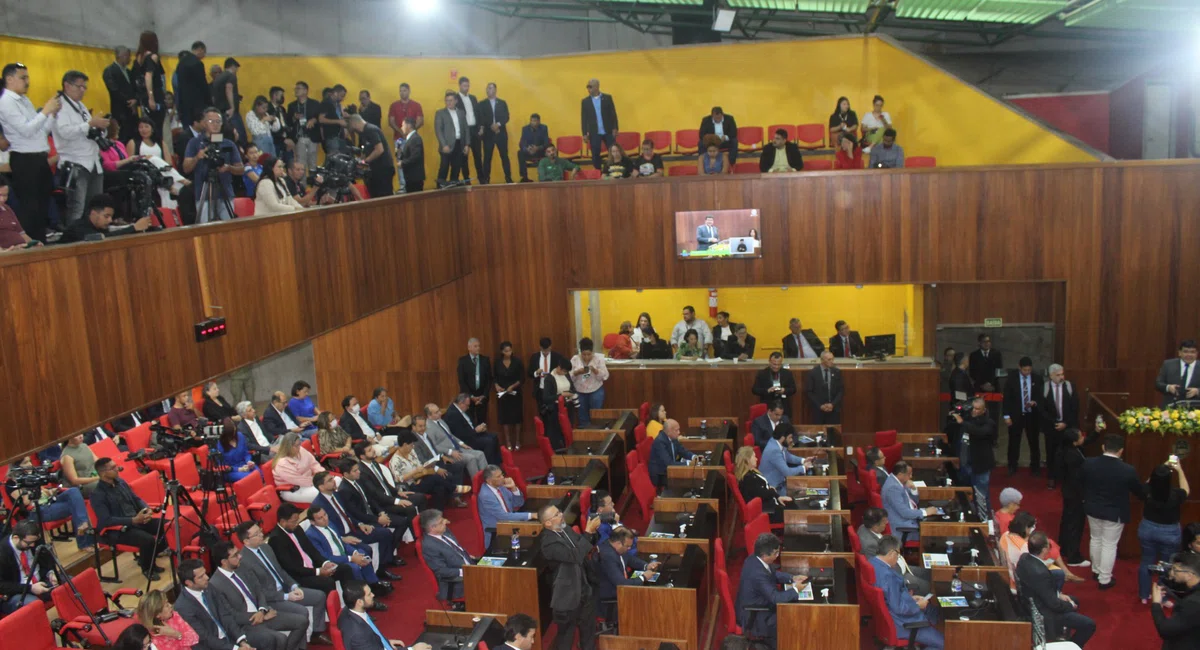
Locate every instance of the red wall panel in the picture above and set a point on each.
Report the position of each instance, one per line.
(1084, 116)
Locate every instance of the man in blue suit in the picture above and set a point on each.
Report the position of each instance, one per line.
(613, 566)
(706, 235)
(359, 632)
(764, 425)
(904, 607)
(343, 521)
(499, 500)
(778, 463)
(667, 451)
(444, 555)
(759, 588)
(901, 505)
(341, 549)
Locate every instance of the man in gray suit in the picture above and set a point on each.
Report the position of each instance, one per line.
(454, 138)
(875, 521)
(571, 600)
(825, 391)
(265, 627)
(706, 235)
(210, 617)
(261, 571)
(444, 555)
(1177, 379)
(474, 460)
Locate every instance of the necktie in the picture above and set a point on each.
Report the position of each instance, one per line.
(308, 563)
(475, 360)
(624, 569)
(262, 557)
(827, 380)
(242, 587)
(208, 607)
(450, 540)
(845, 347)
(545, 362)
(335, 541)
(387, 645)
(799, 347)
(366, 502)
(499, 496)
(26, 568)
(1184, 377)
(341, 513)
(1058, 400)
(1025, 394)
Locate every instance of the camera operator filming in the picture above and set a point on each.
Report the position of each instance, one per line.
(1182, 578)
(78, 136)
(380, 168)
(213, 162)
(28, 487)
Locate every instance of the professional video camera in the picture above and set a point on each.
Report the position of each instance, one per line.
(30, 477)
(961, 409)
(99, 136)
(339, 173)
(171, 442)
(142, 180)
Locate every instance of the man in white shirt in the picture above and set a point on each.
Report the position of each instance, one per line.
(26, 129)
(690, 322)
(70, 128)
(264, 626)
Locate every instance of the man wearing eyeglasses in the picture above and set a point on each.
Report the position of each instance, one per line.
(1181, 629)
(228, 163)
(76, 151)
(26, 129)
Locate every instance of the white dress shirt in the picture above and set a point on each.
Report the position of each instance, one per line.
(287, 419)
(246, 601)
(464, 100)
(199, 596)
(257, 431)
(70, 128)
(457, 127)
(493, 103)
(24, 127)
(719, 128)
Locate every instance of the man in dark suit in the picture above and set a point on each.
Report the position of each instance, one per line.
(358, 630)
(468, 111)
(985, 362)
(15, 555)
(845, 343)
(345, 550)
(1108, 483)
(120, 91)
(412, 157)
(299, 557)
(384, 494)
(1060, 411)
(763, 427)
(263, 625)
(774, 383)
(493, 117)
(535, 137)
(1177, 379)
(667, 451)
(825, 391)
(598, 121)
(471, 431)
(115, 504)
(571, 597)
(871, 532)
(1181, 631)
(210, 617)
(444, 555)
(262, 573)
(367, 523)
(475, 378)
(758, 590)
(277, 420)
(543, 361)
(1070, 527)
(1022, 393)
(801, 343)
(193, 93)
(1034, 583)
(724, 127)
(614, 564)
(976, 459)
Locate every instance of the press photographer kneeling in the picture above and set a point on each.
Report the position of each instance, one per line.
(212, 161)
(1182, 578)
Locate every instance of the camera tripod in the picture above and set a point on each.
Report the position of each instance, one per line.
(43, 552)
(176, 496)
(208, 199)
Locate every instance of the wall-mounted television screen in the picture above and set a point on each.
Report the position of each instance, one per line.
(718, 234)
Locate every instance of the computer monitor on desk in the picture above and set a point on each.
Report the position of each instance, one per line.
(881, 344)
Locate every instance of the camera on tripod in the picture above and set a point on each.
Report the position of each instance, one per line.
(171, 441)
(339, 173)
(30, 477)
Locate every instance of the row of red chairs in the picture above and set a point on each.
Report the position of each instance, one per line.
(687, 141)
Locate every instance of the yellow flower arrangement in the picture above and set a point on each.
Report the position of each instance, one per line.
(1160, 421)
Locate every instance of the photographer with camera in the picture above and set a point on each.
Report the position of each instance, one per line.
(976, 458)
(298, 187)
(116, 505)
(1182, 630)
(213, 161)
(97, 222)
(78, 136)
(28, 487)
(26, 129)
(381, 169)
(18, 561)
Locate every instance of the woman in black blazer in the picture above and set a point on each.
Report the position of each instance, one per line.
(754, 485)
(216, 408)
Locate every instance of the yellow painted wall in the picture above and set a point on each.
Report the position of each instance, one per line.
(672, 88)
(871, 310)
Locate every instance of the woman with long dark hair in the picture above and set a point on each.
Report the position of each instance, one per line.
(271, 194)
(235, 453)
(151, 81)
(643, 325)
(510, 374)
(843, 120)
(1159, 533)
(134, 637)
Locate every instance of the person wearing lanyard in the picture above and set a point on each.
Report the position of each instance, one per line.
(26, 129)
(71, 128)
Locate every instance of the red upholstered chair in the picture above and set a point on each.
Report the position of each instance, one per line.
(885, 627)
(264, 507)
(506, 457)
(746, 168)
(644, 412)
(885, 438)
(247, 486)
(518, 478)
(630, 141)
(639, 433)
(632, 461)
(643, 490)
(892, 455)
(149, 488)
(589, 175)
(168, 218)
(643, 450)
(585, 502)
(333, 610)
(102, 545)
(88, 584)
(810, 136)
(728, 614)
(755, 527)
(137, 438)
(874, 500)
(30, 628)
(750, 138)
(737, 496)
(547, 451)
(854, 489)
(756, 410)
(719, 555)
(728, 462)
(539, 427)
(920, 161)
(661, 140)
(243, 207)
(770, 134)
(475, 522)
(855, 542)
(687, 142)
(564, 421)
(682, 170)
(811, 165)
(569, 146)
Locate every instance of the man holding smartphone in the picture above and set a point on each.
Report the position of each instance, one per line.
(115, 504)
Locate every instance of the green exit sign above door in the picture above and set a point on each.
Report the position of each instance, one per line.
(993, 322)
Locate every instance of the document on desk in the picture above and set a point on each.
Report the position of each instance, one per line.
(935, 559)
(806, 593)
(662, 535)
(952, 601)
(919, 484)
(491, 561)
(804, 440)
(641, 574)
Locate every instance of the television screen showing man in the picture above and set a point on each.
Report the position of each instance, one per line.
(717, 233)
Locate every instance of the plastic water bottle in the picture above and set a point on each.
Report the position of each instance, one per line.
(550, 477)
(516, 543)
(956, 583)
(704, 425)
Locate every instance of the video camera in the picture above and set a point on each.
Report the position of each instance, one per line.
(30, 477)
(961, 409)
(339, 173)
(172, 442)
(142, 179)
(100, 137)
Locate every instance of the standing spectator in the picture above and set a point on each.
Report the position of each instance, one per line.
(976, 459)
(261, 126)
(509, 376)
(333, 122)
(712, 160)
(985, 362)
(825, 391)
(70, 130)
(849, 154)
(843, 120)
(567, 554)
(192, 92)
(412, 158)
(285, 146)
(875, 123)
(1107, 483)
(775, 383)
(598, 120)
(369, 110)
(376, 154)
(26, 129)
(493, 118)
(1021, 415)
(453, 137)
(690, 322)
(122, 98)
(1070, 527)
(150, 80)
(648, 163)
(402, 109)
(1060, 411)
(535, 138)
(474, 379)
(782, 156)
(304, 113)
(227, 165)
(1159, 533)
(227, 100)
(468, 110)
(589, 374)
(724, 128)
(887, 154)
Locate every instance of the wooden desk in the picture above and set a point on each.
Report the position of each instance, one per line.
(624, 642)
(809, 533)
(836, 496)
(830, 456)
(507, 590)
(996, 630)
(619, 421)
(610, 451)
(708, 487)
(659, 612)
(819, 625)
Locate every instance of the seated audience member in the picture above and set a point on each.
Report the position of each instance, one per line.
(1010, 504)
(235, 453)
(846, 343)
(341, 548)
(278, 418)
(754, 485)
(849, 154)
(79, 466)
(1191, 538)
(470, 432)
(353, 423)
(263, 573)
(759, 588)
(331, 437)
(12, 235)
(51, 504)
(623, 349)
(901, 504)
(210, 617)
(712, 160)
(381, 412)
(271, 195)
(723, 331)
(653, 347)
(741, 346)
(796, 345)
(778, 463)
(433, 482)
(842, 120)
(614, 564)
(690, 322)
(183, 412)
(655, 420)
(302, 408)
(17, 562)
(875, 123)
(499, 500)
(115, 504)
(357, 629)
(216, 407)
(723, 128)
(690, 348)
(263, 625)
(781, 156)
(1035, 583)
(535, 139)
(643, 324)
(251, 429)
(648, 163)
(887, 153)
(384, 493)
(367, 522)
(97, 222)
(298, 556)
(763, 427)
(619, 165)
(168, 630)
(666, 452)
(875, 522)
(1181, 630)
(457, 456)
(444, 556)
(552, 168)
(254, 168)
(904, 608)
(875, 462)
(1012, 545)
(295, 466)
(610, 519)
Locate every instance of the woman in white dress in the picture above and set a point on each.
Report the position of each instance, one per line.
(146, 145)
